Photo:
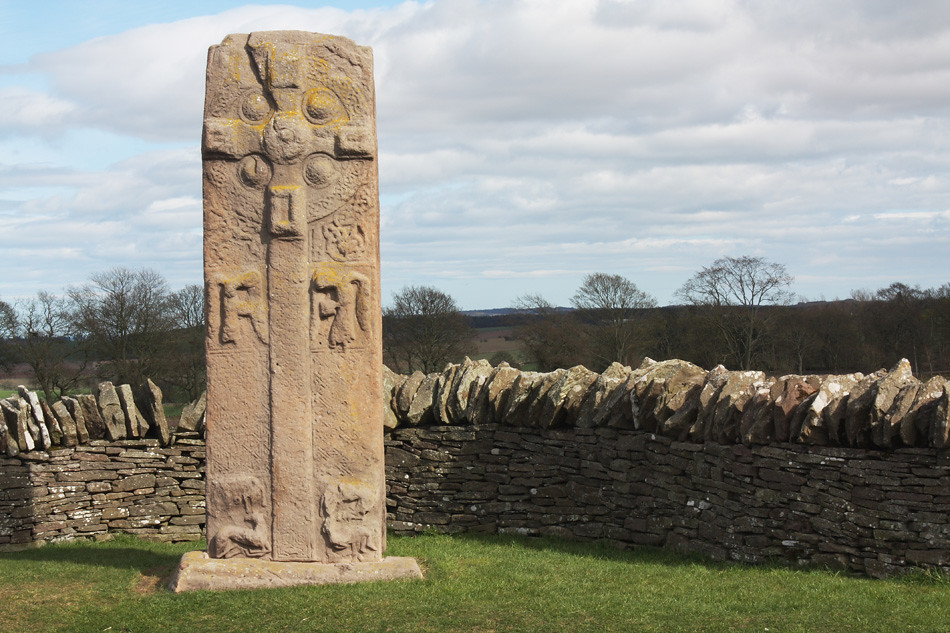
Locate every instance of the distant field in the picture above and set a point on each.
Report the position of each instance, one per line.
(491, 340)
(9, 380)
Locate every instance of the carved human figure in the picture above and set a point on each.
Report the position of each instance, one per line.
(242, 297)
(343, 303)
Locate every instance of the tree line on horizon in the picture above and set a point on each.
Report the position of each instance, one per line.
(738, 311)
(124, 326)
(128, 325)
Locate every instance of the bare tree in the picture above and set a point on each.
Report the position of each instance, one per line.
(898, 310)
(733, 291)
(936, 318)
(423, 329)
(550, 335)
(611, 305)
(42, 336)
(124, 314)
(904, 320)
(7, 330)
(185, 360)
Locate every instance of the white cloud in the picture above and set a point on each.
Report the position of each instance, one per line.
(149, 81)
(525, 274)
(23, 108)
(525, 143)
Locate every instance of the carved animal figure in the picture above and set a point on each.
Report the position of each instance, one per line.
(346, 506)
(245, 531)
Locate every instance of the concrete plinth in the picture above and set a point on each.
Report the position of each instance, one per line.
(198, 571)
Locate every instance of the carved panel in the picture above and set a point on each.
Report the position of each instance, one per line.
(348, 525)
(340, 313)
(240, 509)
(239, 297)
(343, 238)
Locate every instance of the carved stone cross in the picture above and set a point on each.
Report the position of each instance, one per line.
(294, 420)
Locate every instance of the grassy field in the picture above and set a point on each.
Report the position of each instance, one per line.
(499, 343)
(8, 387)
(481, 584)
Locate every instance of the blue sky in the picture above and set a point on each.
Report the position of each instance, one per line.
(523, 143)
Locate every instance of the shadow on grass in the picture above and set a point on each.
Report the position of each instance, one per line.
(125, 553)
(641, 554)
(131, 553)
(601, 550)
(644, 554)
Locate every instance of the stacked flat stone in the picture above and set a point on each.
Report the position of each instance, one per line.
(886, 409)
(115, 413)
(94, 490)
(870, 511)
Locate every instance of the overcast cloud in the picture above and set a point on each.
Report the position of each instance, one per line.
(524, 144)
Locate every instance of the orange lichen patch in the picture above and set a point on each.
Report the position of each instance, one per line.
(323, 107)
(331, 273)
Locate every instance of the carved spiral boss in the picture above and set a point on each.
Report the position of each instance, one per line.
(295, 462)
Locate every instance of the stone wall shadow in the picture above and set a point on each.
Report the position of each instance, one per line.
(601, 550)
(96, 555)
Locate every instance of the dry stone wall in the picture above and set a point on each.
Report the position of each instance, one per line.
(849, 471)
(135, 486)
(864, 510)
(97, 464)
(679, 400)
(117, 413)
(667, 454)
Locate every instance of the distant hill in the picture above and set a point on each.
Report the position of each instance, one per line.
(491, 312)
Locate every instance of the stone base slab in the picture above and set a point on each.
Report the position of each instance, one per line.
(198, 571)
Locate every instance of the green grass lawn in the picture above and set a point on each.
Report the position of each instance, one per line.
(480, 584)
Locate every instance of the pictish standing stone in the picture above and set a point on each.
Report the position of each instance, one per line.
(295, 468)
